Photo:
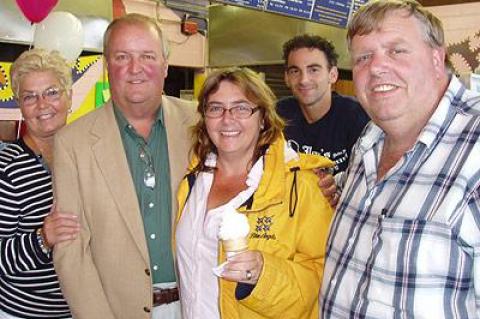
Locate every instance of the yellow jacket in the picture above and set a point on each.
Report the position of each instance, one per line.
(289, 220)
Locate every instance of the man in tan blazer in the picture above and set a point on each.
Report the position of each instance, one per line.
(109, 270)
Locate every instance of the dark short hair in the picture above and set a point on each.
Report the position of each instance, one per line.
(311, 42)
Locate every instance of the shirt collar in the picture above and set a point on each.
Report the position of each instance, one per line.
(123, 122)
(253, 177)
(372, 135)
(456, 99)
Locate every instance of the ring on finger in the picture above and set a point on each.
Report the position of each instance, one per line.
(248, 275)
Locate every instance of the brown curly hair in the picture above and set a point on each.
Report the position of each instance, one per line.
(257, 91)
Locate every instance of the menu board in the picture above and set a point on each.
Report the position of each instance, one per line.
(297, 8)
(357, 4)
(333, 12)
(258, 4)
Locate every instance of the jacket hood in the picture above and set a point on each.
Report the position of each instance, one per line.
(281, 158)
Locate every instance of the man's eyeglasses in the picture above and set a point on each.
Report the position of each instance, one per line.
(50, 95)
(239, 111)
(149, 171)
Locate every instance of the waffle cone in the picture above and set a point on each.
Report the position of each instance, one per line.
(235, 245)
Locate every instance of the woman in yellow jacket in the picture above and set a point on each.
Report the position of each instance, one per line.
(242, 161)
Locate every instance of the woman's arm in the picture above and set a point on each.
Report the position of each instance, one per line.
(288, 288)
(20, 251)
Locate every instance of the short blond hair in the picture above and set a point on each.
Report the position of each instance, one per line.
(135, 19)
(370, 17)
(40, 60)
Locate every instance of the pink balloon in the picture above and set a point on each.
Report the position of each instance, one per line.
(36, 10)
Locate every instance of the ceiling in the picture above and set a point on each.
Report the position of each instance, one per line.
(443, 2)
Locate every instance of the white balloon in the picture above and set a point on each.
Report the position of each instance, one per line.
(60, 31)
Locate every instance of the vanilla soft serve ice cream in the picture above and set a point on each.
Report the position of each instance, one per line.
(233, 231)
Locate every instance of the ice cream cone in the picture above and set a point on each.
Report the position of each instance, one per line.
(235, 246)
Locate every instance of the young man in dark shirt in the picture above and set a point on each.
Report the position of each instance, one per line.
(319, 121)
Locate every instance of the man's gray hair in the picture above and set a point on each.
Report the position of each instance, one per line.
(135, 19)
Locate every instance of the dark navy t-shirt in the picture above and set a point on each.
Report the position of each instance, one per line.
(332, 136)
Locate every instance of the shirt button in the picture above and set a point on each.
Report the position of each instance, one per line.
(155, 267)
(147, 272)
(368, 201)
(146, 309)
(152, 236)
(150, 205)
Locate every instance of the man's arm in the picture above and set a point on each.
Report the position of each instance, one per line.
(328, 185)
(73, 261)
(469, 235)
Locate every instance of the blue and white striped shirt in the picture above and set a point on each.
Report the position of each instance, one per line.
(409, 245)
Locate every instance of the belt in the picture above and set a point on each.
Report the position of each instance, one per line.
(162, 296)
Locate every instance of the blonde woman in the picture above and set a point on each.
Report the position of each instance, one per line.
(41, 82)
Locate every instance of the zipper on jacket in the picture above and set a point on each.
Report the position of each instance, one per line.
(293, 192)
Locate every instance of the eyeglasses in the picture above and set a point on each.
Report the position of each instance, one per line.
(50, 95)
(239, 111)
(149, 171)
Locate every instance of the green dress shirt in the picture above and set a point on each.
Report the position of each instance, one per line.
(149, 167)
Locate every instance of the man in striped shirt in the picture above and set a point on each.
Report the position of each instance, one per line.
(405, 241)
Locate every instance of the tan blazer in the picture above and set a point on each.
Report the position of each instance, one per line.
(105, 272)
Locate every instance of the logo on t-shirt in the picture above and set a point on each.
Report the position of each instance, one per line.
(339, 157)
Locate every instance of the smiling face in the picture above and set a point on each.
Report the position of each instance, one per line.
(233, 138)
(43, 118)
(136, 66)
(398, 77)
(310, 77)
